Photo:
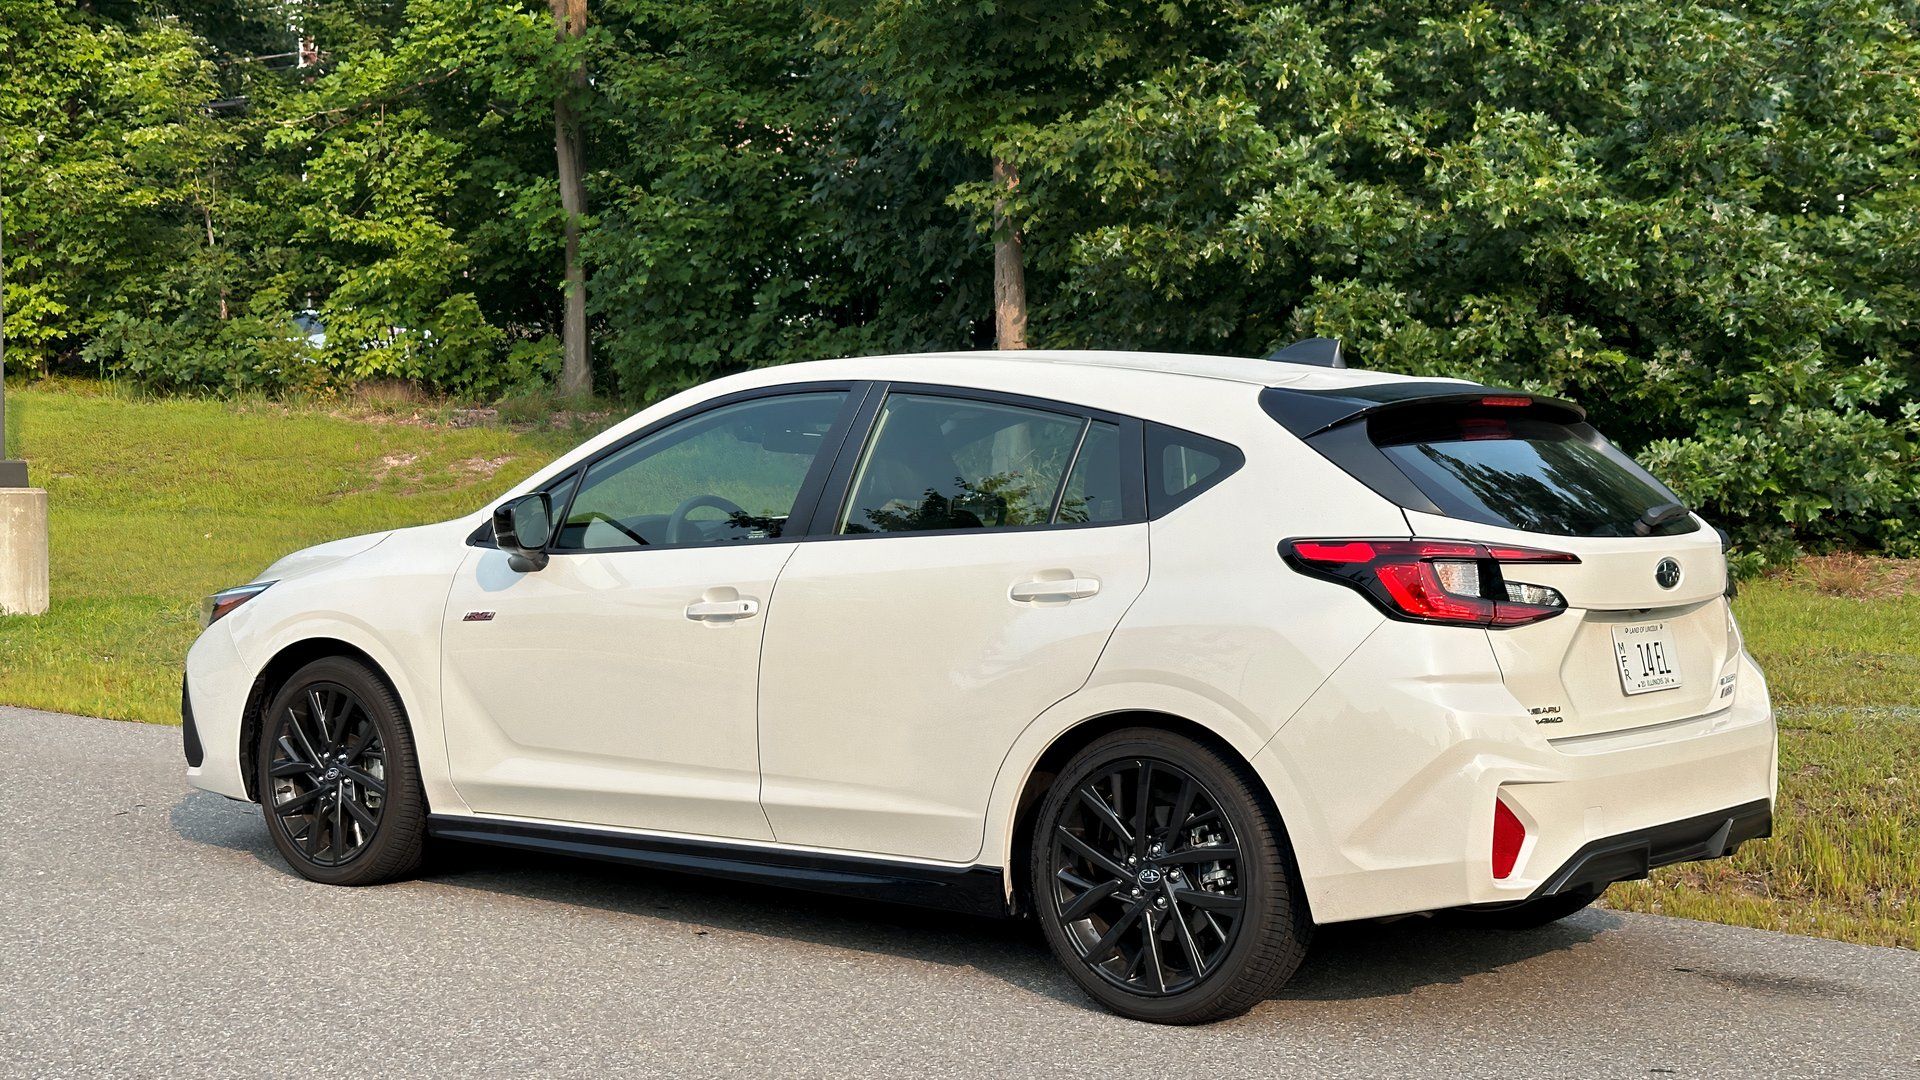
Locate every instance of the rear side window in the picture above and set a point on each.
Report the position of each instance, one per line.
(1181, 465)
(935, 464)
(1522, 471)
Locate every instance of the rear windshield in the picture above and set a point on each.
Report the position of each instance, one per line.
(1523, 472)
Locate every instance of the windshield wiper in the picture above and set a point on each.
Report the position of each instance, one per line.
(1658, 516)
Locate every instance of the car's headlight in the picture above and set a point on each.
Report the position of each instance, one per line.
(215, 607)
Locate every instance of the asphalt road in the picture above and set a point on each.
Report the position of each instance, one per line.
(147, 929)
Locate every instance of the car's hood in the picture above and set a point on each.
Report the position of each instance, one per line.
(307, 560)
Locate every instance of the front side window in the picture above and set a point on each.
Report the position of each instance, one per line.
(724, 476)
(938, 464)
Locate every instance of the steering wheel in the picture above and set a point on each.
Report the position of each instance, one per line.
(677, 521)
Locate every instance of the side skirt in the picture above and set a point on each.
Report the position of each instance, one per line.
(973, 890)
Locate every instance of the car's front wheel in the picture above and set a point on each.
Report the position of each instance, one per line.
(1161, 881)
(338, 780)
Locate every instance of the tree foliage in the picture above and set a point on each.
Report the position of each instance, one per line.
(1702, 220)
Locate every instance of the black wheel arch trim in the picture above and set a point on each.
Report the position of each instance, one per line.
(972, 890)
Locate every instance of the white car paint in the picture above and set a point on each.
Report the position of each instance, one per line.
(889, 697)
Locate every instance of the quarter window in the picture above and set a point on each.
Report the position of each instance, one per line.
(725, 476)
(938, 464)
(1181, 465)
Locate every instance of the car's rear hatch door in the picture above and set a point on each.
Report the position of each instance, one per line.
(1645, 637)
(1629, 651)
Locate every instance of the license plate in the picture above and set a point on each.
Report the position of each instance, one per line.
(1648, 658)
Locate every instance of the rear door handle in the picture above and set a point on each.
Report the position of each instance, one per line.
(720, 610)
(1028, 592)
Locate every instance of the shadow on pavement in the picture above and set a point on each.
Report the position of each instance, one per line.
(1348, 961)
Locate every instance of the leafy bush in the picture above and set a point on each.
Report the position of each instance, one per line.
(1701, 220)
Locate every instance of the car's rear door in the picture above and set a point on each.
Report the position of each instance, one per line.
(616, 686)
(982, 553)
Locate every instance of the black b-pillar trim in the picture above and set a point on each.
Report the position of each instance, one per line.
(973, 890)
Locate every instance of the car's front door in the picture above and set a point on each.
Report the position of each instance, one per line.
(983, 556)
(616, 685)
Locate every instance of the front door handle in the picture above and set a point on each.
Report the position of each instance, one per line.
(1028, 592)
(722, 610)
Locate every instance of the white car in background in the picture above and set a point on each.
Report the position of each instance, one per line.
(1181, 655)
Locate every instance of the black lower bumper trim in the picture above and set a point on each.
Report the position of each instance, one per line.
(975, 890)
(1631, 855)
(189, 735)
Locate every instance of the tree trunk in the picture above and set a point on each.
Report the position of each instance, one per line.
(1009, 273)
(576, 369)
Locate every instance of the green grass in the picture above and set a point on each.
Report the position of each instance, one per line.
(159, 502)
(156, 503)
(1844, 860)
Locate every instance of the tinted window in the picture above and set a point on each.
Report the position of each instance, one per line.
(721, 477)
(1523, 472)
(935, 463)
(1180, 465)
(1094, 488)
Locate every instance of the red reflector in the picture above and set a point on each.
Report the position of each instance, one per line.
(1508, 837)
(1507, 402)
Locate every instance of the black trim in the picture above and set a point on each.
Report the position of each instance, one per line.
(1309, 412)
(1629, 856)
(189, 734)
(974, 890)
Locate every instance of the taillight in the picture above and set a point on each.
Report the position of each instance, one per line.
(1439, 581)
(1509, 836)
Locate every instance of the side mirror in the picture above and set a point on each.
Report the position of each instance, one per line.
(523, 528)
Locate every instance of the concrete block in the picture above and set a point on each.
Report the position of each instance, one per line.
(23, 551)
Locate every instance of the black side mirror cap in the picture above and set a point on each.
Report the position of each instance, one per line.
(523, 528)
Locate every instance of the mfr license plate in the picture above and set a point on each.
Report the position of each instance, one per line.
(1648, 658)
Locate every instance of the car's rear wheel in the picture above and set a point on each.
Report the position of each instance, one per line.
(1527, 914)
(339, 784)
(1161, 880)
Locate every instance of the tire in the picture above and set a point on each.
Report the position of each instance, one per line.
(1525, 915)
(339, 780)
(1127, 948)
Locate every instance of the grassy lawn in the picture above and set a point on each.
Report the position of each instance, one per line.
(157, 503)
(1839, 640)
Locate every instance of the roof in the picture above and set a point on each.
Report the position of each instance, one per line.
(1236, 369)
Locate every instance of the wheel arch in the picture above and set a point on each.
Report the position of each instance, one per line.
(273, 676)
(1070, 741)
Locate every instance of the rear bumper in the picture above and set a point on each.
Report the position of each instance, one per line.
(1386, 780)
(1632, 855)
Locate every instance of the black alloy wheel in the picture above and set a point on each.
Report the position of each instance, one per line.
(1161, 882)
(338, 780)
(329, 774)
(1148, 881)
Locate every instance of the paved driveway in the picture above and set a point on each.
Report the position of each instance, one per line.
(146, 929)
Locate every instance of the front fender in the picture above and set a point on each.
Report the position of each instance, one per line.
(388, 603)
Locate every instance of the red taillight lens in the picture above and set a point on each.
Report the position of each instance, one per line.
(1439, 581)
(1509, 836)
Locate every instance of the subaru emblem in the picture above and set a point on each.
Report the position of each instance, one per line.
(1667, 573)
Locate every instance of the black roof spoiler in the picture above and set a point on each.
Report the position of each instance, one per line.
(1317, 351)
(1309, 412)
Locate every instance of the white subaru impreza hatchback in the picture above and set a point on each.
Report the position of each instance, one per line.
(1180, 655)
